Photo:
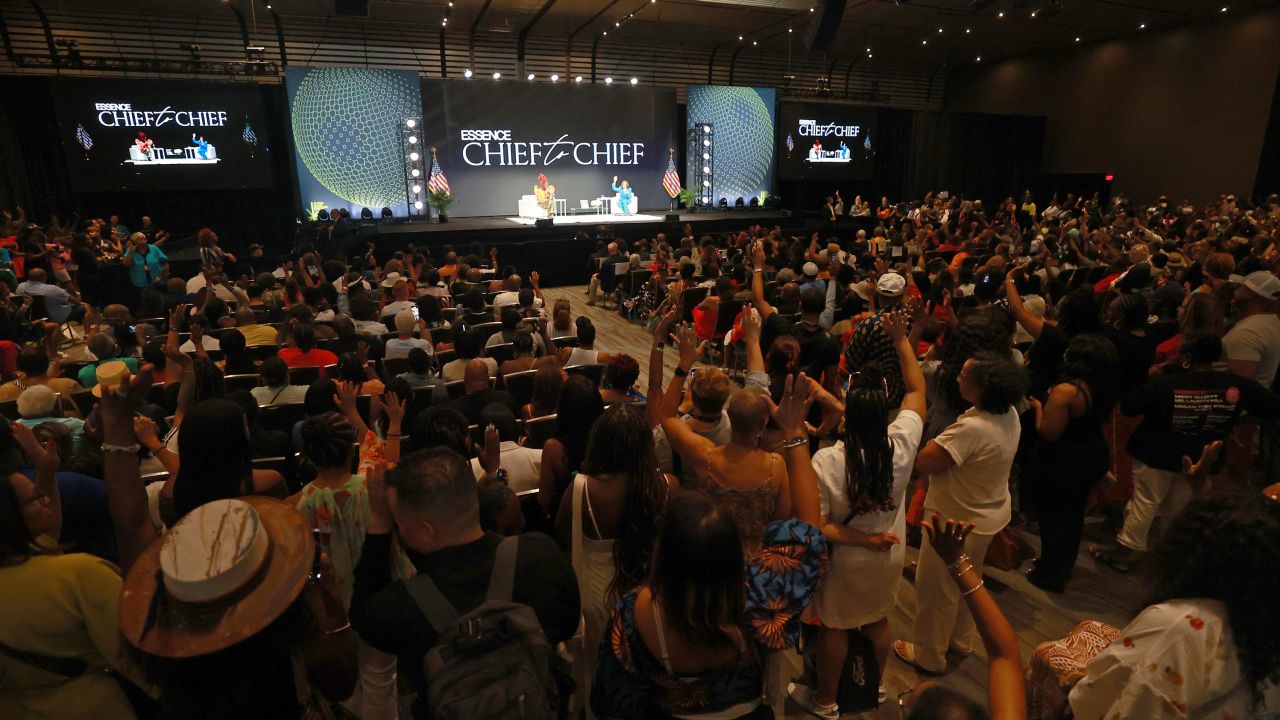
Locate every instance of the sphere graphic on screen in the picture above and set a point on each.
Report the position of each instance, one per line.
(743, 127)
(346, 126)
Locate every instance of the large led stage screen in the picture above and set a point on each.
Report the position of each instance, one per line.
(495, 137)
(741, 119)
(162, 134)
(825, 141)
(346, 128)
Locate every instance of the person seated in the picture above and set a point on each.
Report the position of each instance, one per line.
(562, 320)
(263, 443)
(102, 347)
(1204, 647)
(419, 376)
(400, 295)
(519, 467)
(275, 388)
(59, 305)
(511, 318)
(199, 326)
(254, 333)
(585, 353)
(523, 348)
(399, 346)
(619, 383)
(39, 404)
(355, 369)
(499, 509)
(480, 393)
(469, 347)
(301, 350)
(34, 369)
(547, 383)
(431, 312)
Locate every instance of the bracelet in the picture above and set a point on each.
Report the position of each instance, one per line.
(337, 630)
(134, 448)
(956, 575)
(963, 557)
(973, 589)
(681, 372)
(796, 441)
(758, 270)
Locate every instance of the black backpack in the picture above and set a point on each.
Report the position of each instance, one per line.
(492, 662)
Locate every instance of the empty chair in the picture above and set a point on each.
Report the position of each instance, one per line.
(392, 367)
(281, 417)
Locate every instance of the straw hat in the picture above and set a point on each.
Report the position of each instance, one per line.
(391, 279)
(218, 577)
(110, 374)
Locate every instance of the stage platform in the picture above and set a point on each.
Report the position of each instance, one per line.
(557, 252)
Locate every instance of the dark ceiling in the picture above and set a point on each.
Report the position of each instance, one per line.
(926, 31)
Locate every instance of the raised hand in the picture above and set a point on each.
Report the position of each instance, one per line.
(690, 348)
(491, 454)
(394, 407)
(751, 325)
(789, 414)
(895, 325)
(947, 539)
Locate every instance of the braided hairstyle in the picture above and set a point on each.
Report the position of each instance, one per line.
(328, 440)
(868, 455)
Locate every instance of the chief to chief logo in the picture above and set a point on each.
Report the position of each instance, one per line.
(811, 128)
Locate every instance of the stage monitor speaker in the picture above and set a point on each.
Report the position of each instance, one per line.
(824, 24)
(671, 217)
(351, 8)
(544, 223)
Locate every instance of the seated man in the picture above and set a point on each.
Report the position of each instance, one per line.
(480, 394)
(254, 333)
(419, 375)
(404, 341)
(38, 404)
(103, 347)
(34, 369)
(401, 298)
(431, 498)
(520, 465)
(60, 305)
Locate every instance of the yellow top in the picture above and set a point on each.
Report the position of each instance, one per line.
(66, 386)
(62, 606)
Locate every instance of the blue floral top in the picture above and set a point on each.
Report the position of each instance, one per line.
(630, 682)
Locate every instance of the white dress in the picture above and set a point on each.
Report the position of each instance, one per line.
(861, 584)
(593, 564)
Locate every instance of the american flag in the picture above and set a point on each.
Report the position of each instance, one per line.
(791, 143)
(436, 180)
(82, 137)
(249, 136)
(671, 179)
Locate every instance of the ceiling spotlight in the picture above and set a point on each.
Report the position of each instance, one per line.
(635, 81)
(450, 4)
(1223, 9)
(810, 9)
(706, 183)
(1000, 14)
(617, 24)
(466, 73)
(869, 56)
(417, 189)
(608, 81)
(529, 77)
(555, 78)
(939, 31)
(497, 76)
(1077, 39)
(739, 37)
(578, 79)
(753, 42)
(444, 21)
(706, 143)
(1033, 14)
(410, 123)
(868, 49)
(924, 42)
(606, 32)
(706, 169)
(978, 59)
(790, 30)
(967, 31)
(413, 139)
(1143, 26)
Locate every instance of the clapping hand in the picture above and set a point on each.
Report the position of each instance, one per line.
(947, 539)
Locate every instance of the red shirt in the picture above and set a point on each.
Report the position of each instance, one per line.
(293, 357)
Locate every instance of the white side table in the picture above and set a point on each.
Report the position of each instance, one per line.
(562, 206)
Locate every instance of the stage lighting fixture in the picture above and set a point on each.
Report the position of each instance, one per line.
(635, 81)
(497, 76)
(417, 205)
(1224, 9)
(724, 202)
(790, 30)
(706, 143)
(386, 213)
(967, 31)
(417, 189)
(413, 156)
(706, 169)
(939, 31)
(608, 81)
(1000, 14)
(323, 215)
(555, 78)
(530, 77)
(466, 73)
(1143, 26)
(411, 123)
(754, 43)
(1077, 39)
(578, 79)
(366, 214)
(978, 59)
(706, 128)
(413, 139)
(924, 42)
(706, 183)
(739, 37)
(706, 156)
(416, 172)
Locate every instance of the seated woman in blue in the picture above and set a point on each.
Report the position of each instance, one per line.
(625, 195)
(692, 641)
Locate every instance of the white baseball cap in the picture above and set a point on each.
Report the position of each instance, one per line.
(891, 284)
(1261, 282)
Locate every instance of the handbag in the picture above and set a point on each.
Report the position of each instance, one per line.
(859, 688)
(1007, 550)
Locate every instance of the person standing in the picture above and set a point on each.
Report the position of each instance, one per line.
(146, 263)
(968, 469)
(862, 483)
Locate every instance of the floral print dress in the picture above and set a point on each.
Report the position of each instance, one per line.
(630, 682)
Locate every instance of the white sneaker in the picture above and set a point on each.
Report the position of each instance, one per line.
(802, 695)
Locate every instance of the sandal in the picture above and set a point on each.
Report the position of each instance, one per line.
(1110, 558)
(906, 652)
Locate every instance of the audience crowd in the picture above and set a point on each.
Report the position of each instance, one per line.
(340, 483)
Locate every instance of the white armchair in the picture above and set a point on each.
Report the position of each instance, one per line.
(529, 207)
(635, 205)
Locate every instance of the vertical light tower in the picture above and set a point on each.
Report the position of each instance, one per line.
(415, 176)
(700, 156)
